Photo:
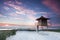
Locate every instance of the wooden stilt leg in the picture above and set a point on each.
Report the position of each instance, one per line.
(47, 28)
(37, 28)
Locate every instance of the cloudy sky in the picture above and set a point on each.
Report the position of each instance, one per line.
(24, 12)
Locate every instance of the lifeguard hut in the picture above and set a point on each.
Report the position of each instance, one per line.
(42, 21)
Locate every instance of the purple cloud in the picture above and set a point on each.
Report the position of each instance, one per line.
(53, 4)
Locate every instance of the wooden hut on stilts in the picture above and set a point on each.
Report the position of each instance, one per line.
(42, 21)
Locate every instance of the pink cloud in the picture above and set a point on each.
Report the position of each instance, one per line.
(6, 8)
(19, 18)
(52, 4)
(13, 14)
(31, 17)
(1, 15)
(55, 24)
(13, 2)
(18, 2)
(21, 8)
(23, 11)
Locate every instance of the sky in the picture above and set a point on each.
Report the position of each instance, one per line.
(25, 12)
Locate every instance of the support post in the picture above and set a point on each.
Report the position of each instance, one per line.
(37, 28)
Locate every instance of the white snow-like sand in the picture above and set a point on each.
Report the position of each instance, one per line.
(42, 35)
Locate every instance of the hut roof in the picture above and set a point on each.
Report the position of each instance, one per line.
(42, 18)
